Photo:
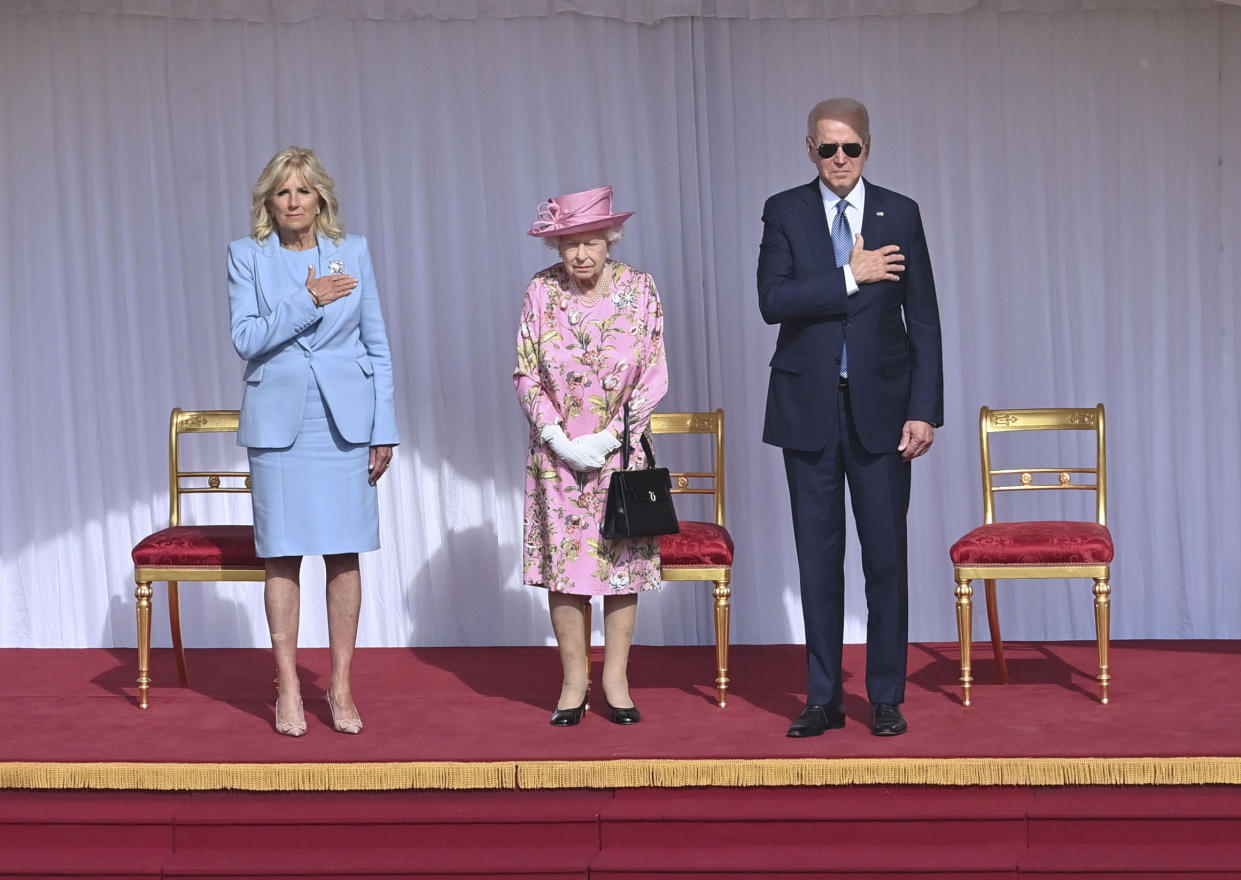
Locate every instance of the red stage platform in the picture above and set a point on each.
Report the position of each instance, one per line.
(1132, 833)
(459, 775)
(469, 718)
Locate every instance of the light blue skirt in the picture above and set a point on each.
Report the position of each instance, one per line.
(313, 498)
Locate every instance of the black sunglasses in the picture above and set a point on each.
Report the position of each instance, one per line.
(852, 150)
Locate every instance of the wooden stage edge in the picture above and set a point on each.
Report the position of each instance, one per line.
(625, 773)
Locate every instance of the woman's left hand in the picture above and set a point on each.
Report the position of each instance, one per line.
(381, 457)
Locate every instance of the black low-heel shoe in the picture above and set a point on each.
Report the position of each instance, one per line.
(625, 716)
(569, 717)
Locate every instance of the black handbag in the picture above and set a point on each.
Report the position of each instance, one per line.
(640, 501)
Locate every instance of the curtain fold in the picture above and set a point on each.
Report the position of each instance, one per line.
(1076, 165)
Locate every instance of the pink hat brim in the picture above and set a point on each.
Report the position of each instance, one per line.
(589, 226)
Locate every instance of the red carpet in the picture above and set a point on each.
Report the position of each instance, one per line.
(439, 719)
(485, 711)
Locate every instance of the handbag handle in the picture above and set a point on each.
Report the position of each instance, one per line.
(646, 446)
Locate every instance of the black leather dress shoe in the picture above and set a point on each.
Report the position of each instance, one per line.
(886, 720)
(816, 720)
(625, 716)
(569, 717)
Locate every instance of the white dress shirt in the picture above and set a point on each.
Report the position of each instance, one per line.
(856, 198)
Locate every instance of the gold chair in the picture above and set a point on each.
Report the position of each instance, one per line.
(190, 553)
(702, 551)
(1035, 549)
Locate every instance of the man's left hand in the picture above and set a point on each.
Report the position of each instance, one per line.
(916, 438)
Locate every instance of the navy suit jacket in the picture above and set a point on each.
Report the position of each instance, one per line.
(895, 352)
(284, 337)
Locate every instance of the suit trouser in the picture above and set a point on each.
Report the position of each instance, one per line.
(879, 492)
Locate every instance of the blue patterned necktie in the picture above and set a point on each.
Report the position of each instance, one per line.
(842, 242)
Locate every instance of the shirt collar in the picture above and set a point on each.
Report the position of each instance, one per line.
(856, 197)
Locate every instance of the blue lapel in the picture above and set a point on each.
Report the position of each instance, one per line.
(817, 231)
(266, 269)
(272, 278)
(332, 258)
(875, 220)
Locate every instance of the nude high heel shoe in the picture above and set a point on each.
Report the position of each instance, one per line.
(289, 728)
(343, 725)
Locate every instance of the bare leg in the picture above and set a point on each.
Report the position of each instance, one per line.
(619, 615)
(344, 604)
(282, 598)
(569, 622)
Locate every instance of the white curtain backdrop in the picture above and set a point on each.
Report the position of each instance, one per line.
(1078, 165)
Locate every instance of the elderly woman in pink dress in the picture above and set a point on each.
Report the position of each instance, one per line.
(590, 342)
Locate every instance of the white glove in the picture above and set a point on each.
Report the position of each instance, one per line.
(571, 452)
(604, 443)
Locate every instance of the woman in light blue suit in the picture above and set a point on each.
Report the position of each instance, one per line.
(318, 415)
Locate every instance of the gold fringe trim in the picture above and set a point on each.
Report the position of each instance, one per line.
(879, 771)
(625, 773)
(260, 777)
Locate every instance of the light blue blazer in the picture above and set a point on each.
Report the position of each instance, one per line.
(284, 338)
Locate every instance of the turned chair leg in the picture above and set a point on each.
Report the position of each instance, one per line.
(965, 627)
(993, 622)
(143, 594)
(174, 623)
(723, 608)
(1103, 625)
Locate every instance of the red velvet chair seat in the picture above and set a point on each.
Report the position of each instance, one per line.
(1035, 543)
(199, 546)
(698, 544)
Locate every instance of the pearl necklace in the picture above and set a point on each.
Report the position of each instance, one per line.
(600, 292)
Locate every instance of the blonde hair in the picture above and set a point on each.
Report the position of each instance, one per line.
(287, 162)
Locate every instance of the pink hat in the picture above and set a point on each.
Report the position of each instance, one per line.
(578, 212)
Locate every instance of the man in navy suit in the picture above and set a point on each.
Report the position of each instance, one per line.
(855, 394)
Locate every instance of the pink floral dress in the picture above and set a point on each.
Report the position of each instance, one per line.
(577, 366)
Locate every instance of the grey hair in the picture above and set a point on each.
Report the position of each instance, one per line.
(844, 109)
(612, 235)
